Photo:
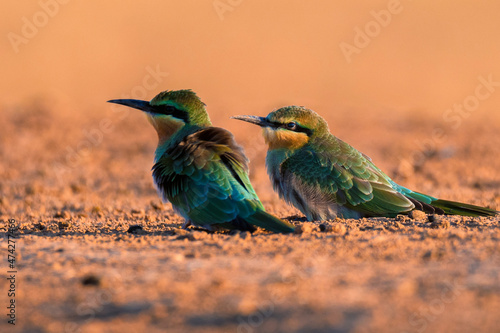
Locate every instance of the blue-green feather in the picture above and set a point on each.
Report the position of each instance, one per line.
(204, 176)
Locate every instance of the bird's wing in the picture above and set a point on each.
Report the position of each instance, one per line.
(337, 172)
(205, 177)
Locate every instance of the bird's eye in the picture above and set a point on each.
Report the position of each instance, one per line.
(291, 126)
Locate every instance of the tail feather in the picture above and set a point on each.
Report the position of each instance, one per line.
(459, 208)
(428, 208)
(433, 205)
(269, 222)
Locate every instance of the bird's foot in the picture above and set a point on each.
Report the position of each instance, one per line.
(186, 224)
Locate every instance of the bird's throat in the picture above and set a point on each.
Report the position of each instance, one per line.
(165, 126)
(281, 138)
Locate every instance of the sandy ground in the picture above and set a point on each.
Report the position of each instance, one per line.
(81, 267)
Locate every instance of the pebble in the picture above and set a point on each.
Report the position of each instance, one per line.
(39, 226)
(96, 210)
(157, 205)
(62, 215)
(91, 280)
(435, 218)
(440, 224)
(138, 211)
(339, 228)
(136, 229)
(418, 215)
(306, 228)
(63, 224)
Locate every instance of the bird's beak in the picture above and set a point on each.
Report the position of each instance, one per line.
(261, 121)
(136, 104)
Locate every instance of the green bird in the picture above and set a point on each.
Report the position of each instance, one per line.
(199, 168)
(325, 178)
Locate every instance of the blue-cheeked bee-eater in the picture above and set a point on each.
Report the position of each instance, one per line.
(199, 168)
(325, 178)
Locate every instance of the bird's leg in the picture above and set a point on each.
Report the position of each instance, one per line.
(186, 224)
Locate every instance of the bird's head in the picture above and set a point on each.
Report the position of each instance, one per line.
(169, 111)
(290, 127)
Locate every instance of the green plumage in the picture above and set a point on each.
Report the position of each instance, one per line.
(200, 169)
(203, 173)
(325, 177)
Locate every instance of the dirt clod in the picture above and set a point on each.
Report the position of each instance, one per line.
(418, 215)
(135, 229)
(306, 228)
(91, 280)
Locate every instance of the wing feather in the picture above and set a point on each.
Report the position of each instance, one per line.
(205, 177)
(336, 172)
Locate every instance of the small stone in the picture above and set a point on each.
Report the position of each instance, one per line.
(62, 215)
(63, 224)
(305, 228)
(427, 255)
(339, 228)
(39, 226)
(158, 206)
(135, 229)
(184, 234)
(435, 218)
(76, 188)
(138, 211)
(441, 224)
(91, 280)
(205, 255)
(402, 218)
(30, 190)
(395, 226)
(96, 210)
(418, 215)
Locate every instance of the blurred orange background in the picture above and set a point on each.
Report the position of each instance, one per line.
(386, 74)
(253, 56)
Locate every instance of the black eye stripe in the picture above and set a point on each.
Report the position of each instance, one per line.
(298, 128)
(303, 130)
(173, 111)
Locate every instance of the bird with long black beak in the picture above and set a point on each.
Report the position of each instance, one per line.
(325, 178)
(199, 168)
